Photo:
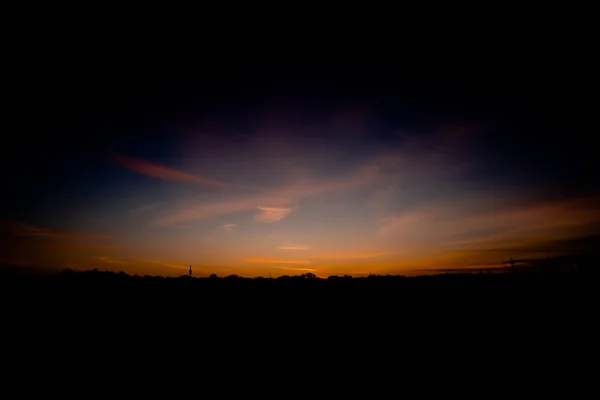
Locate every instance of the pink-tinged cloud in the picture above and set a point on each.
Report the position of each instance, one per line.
(279, 200)
(262, 260)
(228, 228)
(192, 212)
(271, 214)
(161, 171)
(29, 230)
(362, 177)
(294, 247)
(396, 223)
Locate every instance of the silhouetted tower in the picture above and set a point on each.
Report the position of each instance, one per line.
(190, 271)
(512, 265)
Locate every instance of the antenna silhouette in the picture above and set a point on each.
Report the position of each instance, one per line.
(512, 264)
(190, 271)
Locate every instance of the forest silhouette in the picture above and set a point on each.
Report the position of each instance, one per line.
(233, 314)
(559, 280)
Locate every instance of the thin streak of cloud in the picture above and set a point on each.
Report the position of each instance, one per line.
(271, 214)
(491, 267)
(363, 176)
(505, 221)
(111, 261)
(397, 222)
(160, 171)
(551, 215)
(351, 256)
(294, 247)
(190, 212)
(70, 245)
(263, 260)
(80, 245)
(297, 269)
(29, 230)
(228, 228)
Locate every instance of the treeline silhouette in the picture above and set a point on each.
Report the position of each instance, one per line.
(106, 287)
(500, 277)
(125, 311)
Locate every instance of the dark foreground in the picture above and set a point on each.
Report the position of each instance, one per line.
(478, 296)
(519, 324)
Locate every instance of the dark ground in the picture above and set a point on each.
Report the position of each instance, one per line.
(471, 297)
(536, 327)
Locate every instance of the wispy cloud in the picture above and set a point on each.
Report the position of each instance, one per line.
(228, 227)
(463, 223)
(279, 199)
(548, 246)
(160, 171)
(298, 269)
(294, 247)
(263, 260)
(351, 255)
(491, 267)
(271, 214)
(395, 223)
(480, 231)
(111, 261)
(188, 211)
(361, 177)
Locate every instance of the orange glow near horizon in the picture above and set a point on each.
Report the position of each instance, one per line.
(290, 213)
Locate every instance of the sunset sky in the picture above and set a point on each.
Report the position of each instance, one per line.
(281, 169)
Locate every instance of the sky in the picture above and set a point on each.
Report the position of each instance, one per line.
(283, 169)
